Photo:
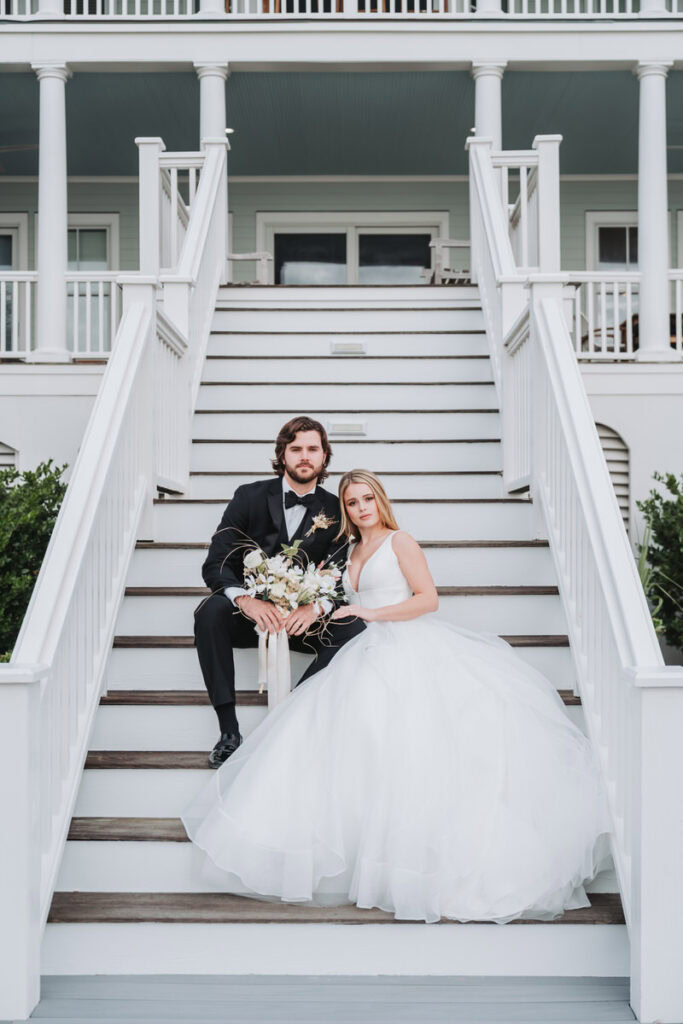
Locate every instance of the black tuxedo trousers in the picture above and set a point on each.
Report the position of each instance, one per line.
(219, 628)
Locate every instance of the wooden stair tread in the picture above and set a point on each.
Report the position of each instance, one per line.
(337, 412)
(350, 355)
(199, 698)
(358, 440)
(225, 908)
(516, 640)
(471, 591)
(394, 501)
(195, 545)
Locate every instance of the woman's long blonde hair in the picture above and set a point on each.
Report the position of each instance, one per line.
(364, 476)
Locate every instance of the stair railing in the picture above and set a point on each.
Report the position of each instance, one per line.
(137, 439)
(633, 703)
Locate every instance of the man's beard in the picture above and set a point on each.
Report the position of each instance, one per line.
(297, 474)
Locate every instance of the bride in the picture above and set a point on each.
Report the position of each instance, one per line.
(428, 770)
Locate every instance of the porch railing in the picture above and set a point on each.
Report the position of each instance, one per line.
(17, 309)
(331, 10)
(93, 312)
(633, 704)
(137, 439)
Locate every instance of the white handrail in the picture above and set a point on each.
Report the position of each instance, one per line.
(633, 704)
(137, 439)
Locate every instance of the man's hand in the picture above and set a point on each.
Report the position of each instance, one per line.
(298, 621)
(263, 613)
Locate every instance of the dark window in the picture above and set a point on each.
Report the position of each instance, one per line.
(314, 258)
(393, 258)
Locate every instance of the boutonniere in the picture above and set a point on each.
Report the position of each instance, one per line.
(321, 522)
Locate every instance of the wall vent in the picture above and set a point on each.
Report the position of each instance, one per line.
(616, 454)
(8, 456)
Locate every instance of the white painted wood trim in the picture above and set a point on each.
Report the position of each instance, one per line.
(310, 221)
(18, 225)
(110, 222)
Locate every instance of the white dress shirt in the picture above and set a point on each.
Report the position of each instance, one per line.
(293, 519)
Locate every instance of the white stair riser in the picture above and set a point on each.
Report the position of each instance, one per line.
(130, 793)
(304, 321)
(265, 425)
(164, 668)
(400, 485)
(173, 567)
(367, 397)
(380, 457)
(136, 727)
(255, 344)
(569, 950)
(352, 296)
(175, 521)
(163, 867)
(173, 616)
(168, 669)
(334, 369)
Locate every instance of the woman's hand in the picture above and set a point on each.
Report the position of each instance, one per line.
(300, 620)
(354, 610)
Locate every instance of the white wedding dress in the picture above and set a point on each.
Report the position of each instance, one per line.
(428, 771)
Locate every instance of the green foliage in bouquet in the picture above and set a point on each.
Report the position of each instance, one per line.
(29, 503)
(660, 562)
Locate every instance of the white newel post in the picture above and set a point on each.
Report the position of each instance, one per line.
(51, 252)
(488, 108)
(149, 203)
(548, 149)
(653, 216)
(489, 8)
(213, 121)
(650, 7)
(20, 922)
(211, 7)
(657, 887)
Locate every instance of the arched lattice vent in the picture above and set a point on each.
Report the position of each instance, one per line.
(8, 456)
(616, 455)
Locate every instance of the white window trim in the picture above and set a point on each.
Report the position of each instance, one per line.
(679, 238)
(108, 221)
(309, 222)
(604, 218)
(17, 223)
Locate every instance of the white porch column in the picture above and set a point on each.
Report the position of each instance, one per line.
(52, 217)
(213, 122)
(653, 216)
(212, 109)
(51, 252)
(488, 109)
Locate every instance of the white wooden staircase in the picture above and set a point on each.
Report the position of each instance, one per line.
(402, 378)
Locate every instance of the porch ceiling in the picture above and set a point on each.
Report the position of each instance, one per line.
(371, 123)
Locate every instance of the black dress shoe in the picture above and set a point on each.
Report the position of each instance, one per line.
(227, 745)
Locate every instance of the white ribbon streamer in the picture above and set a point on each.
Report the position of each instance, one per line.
(274, 670)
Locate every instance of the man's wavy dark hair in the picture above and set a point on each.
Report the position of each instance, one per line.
(287, 434)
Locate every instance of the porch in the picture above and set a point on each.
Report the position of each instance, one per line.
(337, 178)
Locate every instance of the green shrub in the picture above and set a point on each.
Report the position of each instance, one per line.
(29, 503)
(662, 550)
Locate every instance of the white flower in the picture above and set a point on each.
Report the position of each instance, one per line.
(278, 590)
(253, 559)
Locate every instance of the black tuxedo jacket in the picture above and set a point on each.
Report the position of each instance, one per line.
(256, 514)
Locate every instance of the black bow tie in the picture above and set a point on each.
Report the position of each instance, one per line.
(292, 499)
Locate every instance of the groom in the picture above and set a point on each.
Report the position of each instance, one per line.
(269, 513)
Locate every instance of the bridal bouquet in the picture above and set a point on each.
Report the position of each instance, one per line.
(287, 584)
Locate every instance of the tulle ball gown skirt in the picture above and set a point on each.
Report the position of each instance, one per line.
(427, 771)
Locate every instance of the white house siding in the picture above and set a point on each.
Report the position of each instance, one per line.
(258, 196)
(83, 197)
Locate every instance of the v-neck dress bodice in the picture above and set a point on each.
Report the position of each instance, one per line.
(381, 581)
